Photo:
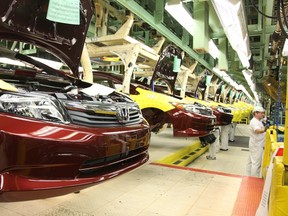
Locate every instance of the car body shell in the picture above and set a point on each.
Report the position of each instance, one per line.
(223, 115)
(157, 108)
(166, 72)
(43, 157)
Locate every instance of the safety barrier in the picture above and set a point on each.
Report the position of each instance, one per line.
(279, 189)
(275, 193)
(244, 121)
(271, 146)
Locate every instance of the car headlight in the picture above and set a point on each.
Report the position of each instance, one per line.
(33, 106)
(220, 109)
(192, 108)
(187, 107)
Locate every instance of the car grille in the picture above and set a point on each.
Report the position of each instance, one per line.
(226, 119)
(123, 116)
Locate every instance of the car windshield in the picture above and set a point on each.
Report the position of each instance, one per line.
(10, 59)
(29, 63)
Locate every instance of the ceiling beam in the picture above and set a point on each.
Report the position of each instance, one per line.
(135, 8)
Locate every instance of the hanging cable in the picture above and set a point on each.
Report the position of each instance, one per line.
(277, 107)
(280, 20)
(278, 103)
(267, 16)
(284, 14)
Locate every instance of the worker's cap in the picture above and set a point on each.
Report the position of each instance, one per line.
(258, 109)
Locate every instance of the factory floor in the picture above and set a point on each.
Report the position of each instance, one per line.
(204, 187)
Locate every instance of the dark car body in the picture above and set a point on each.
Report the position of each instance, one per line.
(158, 109)
(55, 138)
(165, 71)
(223, 114)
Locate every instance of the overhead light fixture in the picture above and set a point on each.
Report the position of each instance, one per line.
(177, 10)
(232, 18)
(243, 89)
(213, 49)
(242, 54)
(224, 76)
(248, 76)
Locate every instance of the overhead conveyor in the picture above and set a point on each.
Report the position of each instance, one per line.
(127, 48)
(132, 53)
(138, 58)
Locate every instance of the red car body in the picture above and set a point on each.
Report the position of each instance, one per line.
(164, 71)
(54, 142)
(185, 124)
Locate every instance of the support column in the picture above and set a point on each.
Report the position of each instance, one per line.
(201, 27)
(208, 84)
(86, 64)
(129, 60)
(222, 61)
(102, 18)
(184, 80)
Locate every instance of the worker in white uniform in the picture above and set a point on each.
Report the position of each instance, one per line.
(232, 132)
(256, 142)
(214, 147)
(225, 129)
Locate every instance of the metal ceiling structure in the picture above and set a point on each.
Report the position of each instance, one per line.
(266, 24)
(264, 29)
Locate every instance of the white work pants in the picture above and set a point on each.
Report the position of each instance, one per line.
(225, 136)
(254, 161)
(214, 147)
(232, 131)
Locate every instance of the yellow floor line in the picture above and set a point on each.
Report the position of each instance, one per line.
(184, 156)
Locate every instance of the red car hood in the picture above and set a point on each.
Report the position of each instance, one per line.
(25, 20)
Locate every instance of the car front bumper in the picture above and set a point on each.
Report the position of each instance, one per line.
(41, 159)
(187, 124)
(223, 118)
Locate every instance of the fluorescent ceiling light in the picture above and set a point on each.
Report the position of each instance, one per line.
(232, 18)
(244, 59)
(248, 76)
(243, 89)
(213, 49)
(176, 9)
(226, 78)
(231, 82)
